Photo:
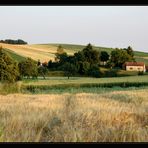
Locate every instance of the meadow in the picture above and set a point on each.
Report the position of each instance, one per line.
(73, 85)
(84, 80)
(108, 116)
(81, 83)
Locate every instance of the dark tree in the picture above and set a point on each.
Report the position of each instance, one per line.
(50, 64)
(39, 63)
(91, 55)
(8, 68)
(10, 41)
(104, 56)
(69, 69)
(83, 67)
(79, 56)
(130, 51)
(94, 71)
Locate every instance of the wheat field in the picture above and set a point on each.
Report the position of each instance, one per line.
(36, 52)
(117, 116)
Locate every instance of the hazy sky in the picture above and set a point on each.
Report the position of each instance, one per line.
(108, 26)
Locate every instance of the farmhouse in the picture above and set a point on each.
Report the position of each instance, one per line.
(134, 66)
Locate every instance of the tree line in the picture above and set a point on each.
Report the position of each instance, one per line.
(83, 63)
(10, 41)
(88, 61)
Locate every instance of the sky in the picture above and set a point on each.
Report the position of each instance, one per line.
(106, 26)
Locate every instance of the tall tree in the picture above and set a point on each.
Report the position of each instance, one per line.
(8, 68)
(104, 56)
(69, 69)
(91, 55)
(130, 51)
(28, 68)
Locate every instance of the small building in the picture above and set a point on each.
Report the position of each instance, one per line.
(134, 66)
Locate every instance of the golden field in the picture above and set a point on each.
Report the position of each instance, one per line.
(32, 52)
(36, 52)
(116, 116)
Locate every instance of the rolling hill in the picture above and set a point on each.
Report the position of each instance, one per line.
(46, 52)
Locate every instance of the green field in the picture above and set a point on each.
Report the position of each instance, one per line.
(14, 55)
(82, 84)
(74, 84)
(141, 59)
(51, 81)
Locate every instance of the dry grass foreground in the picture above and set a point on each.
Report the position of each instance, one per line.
(108, 117)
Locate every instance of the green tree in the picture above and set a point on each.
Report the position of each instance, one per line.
(10, 41)
(83, 67)
(8, 68)
(119, 57)
(94, 71)
(130, 52)
(104, 56)
(61, 58)
(79, 56)
(69, 69)
(91, 55)
(42, 71)
(28, 68)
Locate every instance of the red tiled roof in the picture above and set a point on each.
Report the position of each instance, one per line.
(134, 64)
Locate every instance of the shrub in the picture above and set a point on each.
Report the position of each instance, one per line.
(94, 71)
(111, 73)
(140, 73)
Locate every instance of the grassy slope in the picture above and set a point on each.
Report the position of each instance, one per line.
(14, 55)
(76, 48)
(46, 52)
